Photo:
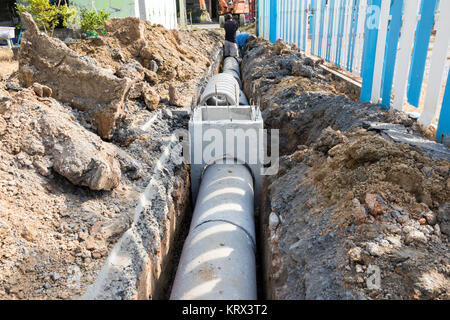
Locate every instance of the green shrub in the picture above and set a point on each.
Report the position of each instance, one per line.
(92, 22)
(47, 16)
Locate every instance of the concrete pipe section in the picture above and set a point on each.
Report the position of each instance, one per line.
(222, 87)
(231, 66)
(243, 99)
(218, 258)
(231, 63)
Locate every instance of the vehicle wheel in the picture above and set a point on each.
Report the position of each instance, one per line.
(221, 21)
(242, 20)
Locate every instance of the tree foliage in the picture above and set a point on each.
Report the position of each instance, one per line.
(92, 22)
(47, 16)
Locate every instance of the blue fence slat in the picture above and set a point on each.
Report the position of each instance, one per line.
(391, 52)
(330, 28)
(340, 32)
(305, 23)
(313, 25)
(354, 27)
(419, 56)
(322, 22)
(369, 51)
(273, 21)
(443, 130)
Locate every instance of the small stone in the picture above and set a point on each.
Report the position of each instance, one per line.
(415, 236)
(173, 95)
(41, 90)
(151, 98)
(37, 88)
(395, 214)
(355, 254)
(431, 218)
(403, 219)
(394, 241)
(359, 268)
(384, 243)
(437, 230)
(153, 66)
(274, 221)
(374, 249)
(96, 255)
(13, 86)
(41, 168)
(90, 243)
(150, 76)
(359, 212)
(375, 204)
(47, 285)
(422, 221)
(146, 52)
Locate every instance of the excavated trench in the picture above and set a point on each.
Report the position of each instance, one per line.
(304, 255)
(163, 286)
(186, 252)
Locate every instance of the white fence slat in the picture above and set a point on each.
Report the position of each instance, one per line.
(294, 21)
(302, 17)
(337, 6)
(318, 17)
(438, 59)
(325, 31)
(359, 41)
(404, 52)
(289, 21)
(381, 46)
(347, 20)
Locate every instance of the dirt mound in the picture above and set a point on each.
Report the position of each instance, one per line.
(176, 56)
(361, 214)
(73, 79)
(300, 99)
(54, 235)
(68, 197)
(55, 141)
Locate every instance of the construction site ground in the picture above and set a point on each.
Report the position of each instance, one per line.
(88, 163)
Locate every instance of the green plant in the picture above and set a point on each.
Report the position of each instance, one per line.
(47, 16)
(92, 22)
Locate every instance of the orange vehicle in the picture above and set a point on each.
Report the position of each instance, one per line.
(238, 8)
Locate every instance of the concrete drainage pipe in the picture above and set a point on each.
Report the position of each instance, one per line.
(231, 63)
(235, 75)
(231, 66)
(222, 86)
(243, 99)
(218, 258)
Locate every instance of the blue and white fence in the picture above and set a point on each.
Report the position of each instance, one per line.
(400, 48)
